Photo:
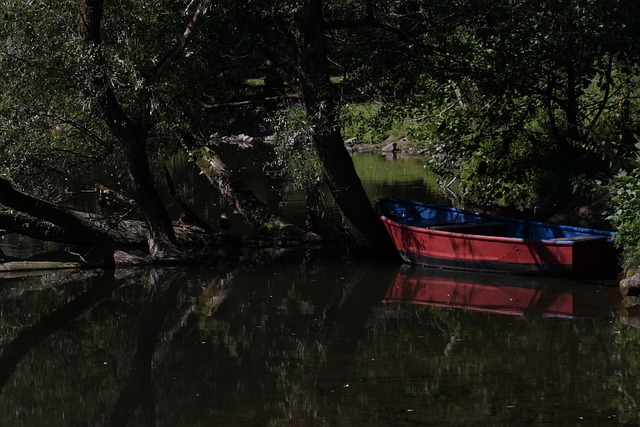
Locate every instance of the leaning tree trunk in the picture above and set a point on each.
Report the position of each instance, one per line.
(161, 236)
(130, 135)
(346, 188)
(243, 200)
(75, 227)
(42, 220)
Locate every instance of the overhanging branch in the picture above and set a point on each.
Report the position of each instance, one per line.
(180, 45)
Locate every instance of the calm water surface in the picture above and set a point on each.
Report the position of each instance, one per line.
(309, 339)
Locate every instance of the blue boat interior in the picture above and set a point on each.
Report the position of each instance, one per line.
(451, 219)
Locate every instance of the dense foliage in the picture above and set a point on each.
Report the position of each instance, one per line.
(525, 104)
(517, 99)
(625, 205)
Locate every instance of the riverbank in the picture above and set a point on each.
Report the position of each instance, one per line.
(389, 145)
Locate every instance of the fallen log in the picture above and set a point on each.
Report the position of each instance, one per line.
(15, 266)
(122, 233)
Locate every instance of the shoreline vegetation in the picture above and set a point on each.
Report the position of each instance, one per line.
(531, 109)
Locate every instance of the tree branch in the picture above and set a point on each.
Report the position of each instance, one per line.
(89, 27)
(180, 45)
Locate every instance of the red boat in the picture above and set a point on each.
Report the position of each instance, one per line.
(440, 236)
(500, 294)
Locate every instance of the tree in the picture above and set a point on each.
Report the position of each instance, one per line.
(303, 62)
(313, 75)
(130, 133)
(86, 102)
(131, 84)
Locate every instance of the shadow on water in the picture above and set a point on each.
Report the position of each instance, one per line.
(31, 335)
(136, 389)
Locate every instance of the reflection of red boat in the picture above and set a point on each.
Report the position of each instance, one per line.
(496, 293)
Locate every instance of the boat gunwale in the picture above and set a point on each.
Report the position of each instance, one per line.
(483, 237)
(597, 234)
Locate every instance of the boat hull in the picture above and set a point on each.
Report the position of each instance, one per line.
(581, 255)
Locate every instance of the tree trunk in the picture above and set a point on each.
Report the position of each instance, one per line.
(130, 136)
(357, 212)
(75, 226)
(245, 203)
(571, 106)
(161, 237)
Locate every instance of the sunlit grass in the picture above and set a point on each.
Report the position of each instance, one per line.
(361, 121)
(259, 81)
(365, 123)
(255, 82)
(370, 168)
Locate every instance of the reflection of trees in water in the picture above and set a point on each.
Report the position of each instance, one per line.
(302, 339)
(501, 369)
(137, 388)
(18, 346)
(93, 346)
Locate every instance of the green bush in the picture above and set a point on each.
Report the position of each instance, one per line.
(372, 123)
(293, 159)
(624, 189)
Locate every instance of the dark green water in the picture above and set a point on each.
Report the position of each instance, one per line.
(309, 339)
